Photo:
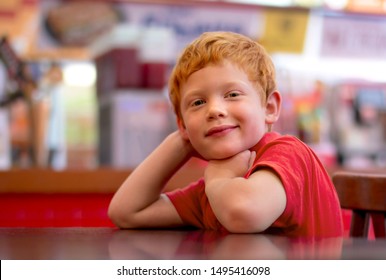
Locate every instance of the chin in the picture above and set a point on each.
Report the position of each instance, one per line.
(219, 155)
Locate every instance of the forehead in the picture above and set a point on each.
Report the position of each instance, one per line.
(215, 75)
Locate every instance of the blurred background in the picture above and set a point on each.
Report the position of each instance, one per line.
(83, 83)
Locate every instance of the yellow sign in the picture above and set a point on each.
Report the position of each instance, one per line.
(285, 30)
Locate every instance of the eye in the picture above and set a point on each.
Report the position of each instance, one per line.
(197, 102)
(232, 94)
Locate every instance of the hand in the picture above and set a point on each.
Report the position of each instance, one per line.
(180, 145)
(186, 146)
(236, 166)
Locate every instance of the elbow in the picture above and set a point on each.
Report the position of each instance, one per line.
(118, 218)
(241, 220)
(114, 217)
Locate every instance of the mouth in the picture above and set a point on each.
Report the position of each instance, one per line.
(220, 130)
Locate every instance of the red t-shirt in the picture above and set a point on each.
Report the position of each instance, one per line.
(312, 207)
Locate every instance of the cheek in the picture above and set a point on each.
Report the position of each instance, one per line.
(254, 122)
(192, 121)
(190, 129)
(248, 116)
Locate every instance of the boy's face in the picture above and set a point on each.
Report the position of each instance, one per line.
(222, 111)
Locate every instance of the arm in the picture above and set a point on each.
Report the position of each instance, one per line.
(138, 202)
(243, 205)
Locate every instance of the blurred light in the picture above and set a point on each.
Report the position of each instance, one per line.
(278, 3)
(79, 74)
(336, 4)
(309, 3)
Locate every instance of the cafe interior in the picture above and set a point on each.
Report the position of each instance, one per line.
(84, 100)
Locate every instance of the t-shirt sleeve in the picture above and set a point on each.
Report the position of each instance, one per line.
(185, 200)
(193, 206)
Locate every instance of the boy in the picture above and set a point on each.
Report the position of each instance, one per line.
(225, 98)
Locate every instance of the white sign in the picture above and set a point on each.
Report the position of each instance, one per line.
(188, 22)
(354, 37)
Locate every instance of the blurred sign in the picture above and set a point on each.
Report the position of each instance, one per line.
(285, 30)
(189, 21)
(354, 37)
(79, 23)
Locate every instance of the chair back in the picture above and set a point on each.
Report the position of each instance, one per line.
(365, 195)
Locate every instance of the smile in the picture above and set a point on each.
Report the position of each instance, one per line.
(220, 130)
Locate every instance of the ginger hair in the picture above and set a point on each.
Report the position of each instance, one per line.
(214, 48)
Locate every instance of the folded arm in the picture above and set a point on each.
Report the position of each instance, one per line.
(138, 202)
(243, 205)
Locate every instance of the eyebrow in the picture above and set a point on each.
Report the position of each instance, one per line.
(229, 84)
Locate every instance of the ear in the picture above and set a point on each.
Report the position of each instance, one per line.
(182, 129)
(272, 108)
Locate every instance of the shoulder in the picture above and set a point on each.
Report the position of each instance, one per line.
(281, 148)
(291, 159)
(274, 138)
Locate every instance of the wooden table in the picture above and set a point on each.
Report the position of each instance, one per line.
(110, 243)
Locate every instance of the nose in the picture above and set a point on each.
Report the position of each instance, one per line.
(216, 109)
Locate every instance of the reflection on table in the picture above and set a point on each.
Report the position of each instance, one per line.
(108, 243)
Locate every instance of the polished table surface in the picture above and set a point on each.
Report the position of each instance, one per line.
(110, 243)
